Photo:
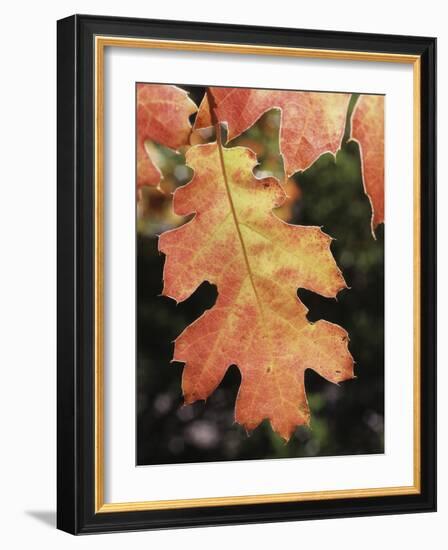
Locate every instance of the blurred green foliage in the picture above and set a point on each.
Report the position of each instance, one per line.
(345, 419)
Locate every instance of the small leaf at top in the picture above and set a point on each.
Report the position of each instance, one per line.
(163, 117)
(312, 123)
(367, 129)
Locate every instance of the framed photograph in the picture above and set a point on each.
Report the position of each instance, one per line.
(246, 274)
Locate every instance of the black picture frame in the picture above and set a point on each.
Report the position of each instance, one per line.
(76, 511)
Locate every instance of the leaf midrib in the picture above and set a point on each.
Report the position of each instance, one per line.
(237, 226)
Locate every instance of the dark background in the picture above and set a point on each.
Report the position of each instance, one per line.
(345, 419)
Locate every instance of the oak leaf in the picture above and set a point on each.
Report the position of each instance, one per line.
(257, 263)
(163, 117)
(312, 123)
(367, 129)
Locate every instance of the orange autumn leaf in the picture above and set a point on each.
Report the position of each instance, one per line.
(312, 123)
(368, 131)
(257, 262)
(163, 117)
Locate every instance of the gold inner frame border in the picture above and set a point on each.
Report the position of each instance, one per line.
(100, 43)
